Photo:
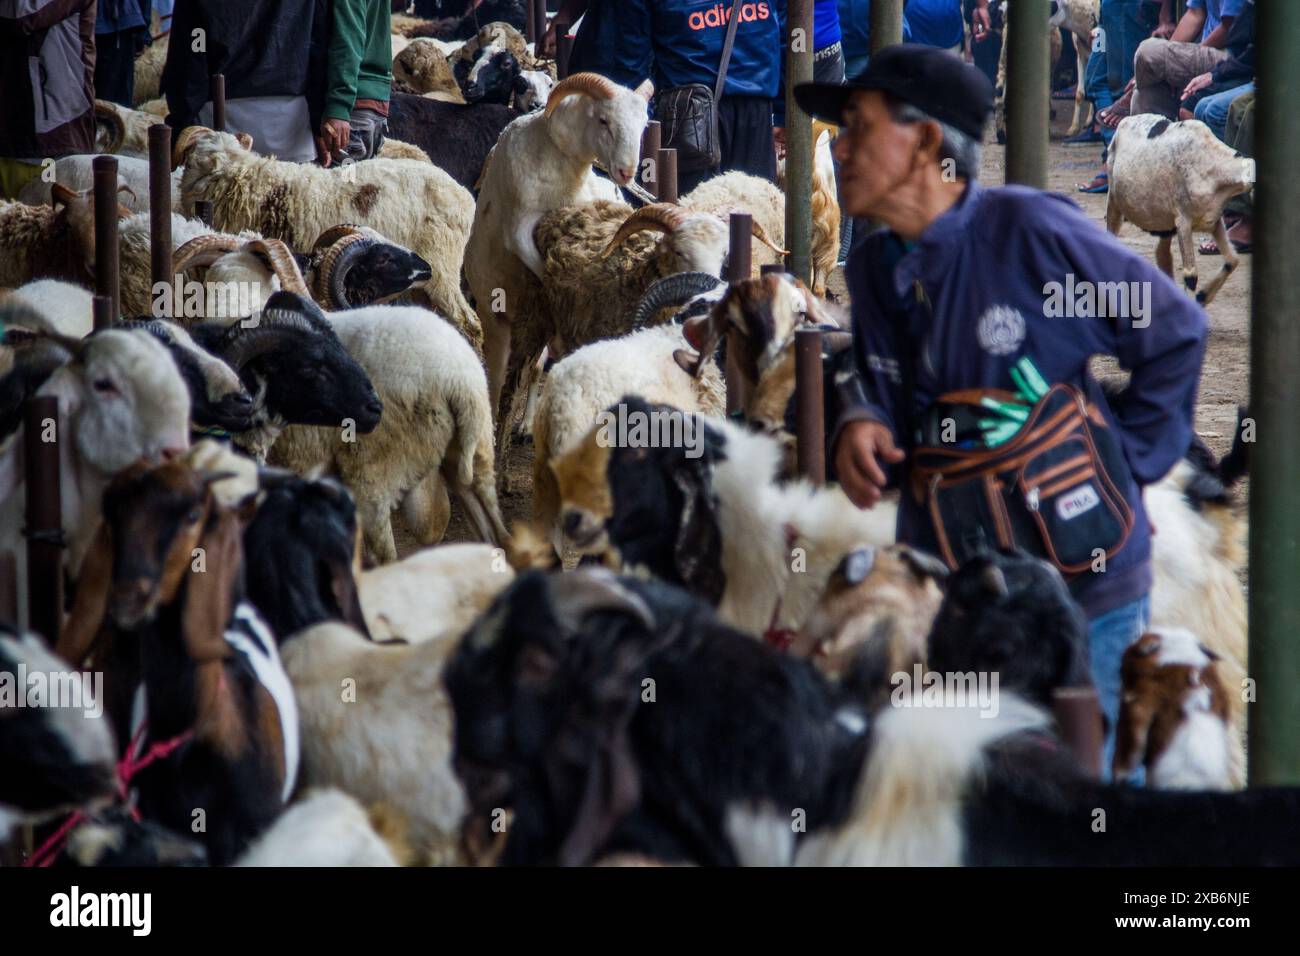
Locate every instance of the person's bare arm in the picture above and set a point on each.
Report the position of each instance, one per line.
(1189, 27)
(569, 12)
(1165, 25)
(1218, 37)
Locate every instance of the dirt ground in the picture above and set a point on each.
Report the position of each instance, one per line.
(1225, 378)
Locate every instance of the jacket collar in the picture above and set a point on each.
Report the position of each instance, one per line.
(928, 249)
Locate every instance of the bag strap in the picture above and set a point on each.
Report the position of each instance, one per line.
(732, 25)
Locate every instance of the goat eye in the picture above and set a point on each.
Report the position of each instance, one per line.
(104, 385)
(194, 516)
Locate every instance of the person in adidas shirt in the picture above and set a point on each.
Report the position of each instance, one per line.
(678, 42)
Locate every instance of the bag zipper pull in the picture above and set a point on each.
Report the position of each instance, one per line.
(1032, 499)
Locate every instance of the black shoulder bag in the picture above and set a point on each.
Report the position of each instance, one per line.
(689, 114)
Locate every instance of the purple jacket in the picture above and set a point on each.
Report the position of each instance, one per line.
(1004, 271)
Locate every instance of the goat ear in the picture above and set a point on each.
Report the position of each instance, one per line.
(209, 598)
(925, 565)
(688, 361)
(344, 588)
(1136, 715)
(91, 603)
(697, 551)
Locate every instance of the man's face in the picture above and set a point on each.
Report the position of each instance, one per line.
(875, 154)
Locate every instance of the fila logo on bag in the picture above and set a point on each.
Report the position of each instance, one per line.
(1082, 499)
(718, 15)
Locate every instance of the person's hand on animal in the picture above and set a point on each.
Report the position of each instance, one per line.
(864, 448)
(1197, 84)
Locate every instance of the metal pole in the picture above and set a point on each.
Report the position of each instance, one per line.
(107, 274)
(203, 211)
(537, 12)
(886, 23)
(101, 313)
(44, 516)
(1274, 390)
(798, 142)
(160, 203)
(217, 87)
(9, 589)
(1078, 718)
(563, 49)
(651, 140)
(666, 175)
(771, 268)
(740, 253)
(810, 415)
(1028, 93)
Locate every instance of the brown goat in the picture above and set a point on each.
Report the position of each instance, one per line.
(159, 607)
(49, 242)
(1174, 713)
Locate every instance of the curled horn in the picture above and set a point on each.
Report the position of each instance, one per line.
(185, 142)
(202, 251)
(333, 269)
(105, 113)
(245, 140)
(661, 216)
(581, 84)
(333, 234)
(244, 345)
(282, 263)
(674, 290)
(762, 237)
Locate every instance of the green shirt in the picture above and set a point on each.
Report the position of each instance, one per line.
(360, 56)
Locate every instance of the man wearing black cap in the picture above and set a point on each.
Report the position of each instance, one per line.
(964, 291)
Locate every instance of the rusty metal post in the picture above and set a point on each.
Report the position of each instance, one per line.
(1078, 718)
(771, 268)
(810, 414)
(537, 14)
(43, 521)
(651, 140)
(203, 211)
(217, 93)
(666, 175)
(102, 315)
(107, 264)
(160, 204)
(9, 589)
(740, 254)
(530, 30)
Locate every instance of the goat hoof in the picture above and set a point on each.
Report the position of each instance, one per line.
(1201, 298)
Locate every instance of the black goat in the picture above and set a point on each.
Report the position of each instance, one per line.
(457, 138)
(299, 550)
(1011, 614)
(291, 360)
(553, 720)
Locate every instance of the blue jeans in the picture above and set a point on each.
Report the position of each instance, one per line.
(1108, 638)
(1127, 23)
(1097, 88)
(1213, 110)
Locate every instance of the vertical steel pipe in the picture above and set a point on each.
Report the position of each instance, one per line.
(107, 251)
(1028, 93)
(160, 204)
(651, 140)
(798, 141)
(886, 23)
(810, 414)
(740, 252)
(43, 520)
(666, 175)
(217, 93)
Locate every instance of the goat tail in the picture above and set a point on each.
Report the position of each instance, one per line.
(907, 809)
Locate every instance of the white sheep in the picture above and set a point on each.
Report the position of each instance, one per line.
(391, 740)
(1173, 179)
(593, 378)
(324, 828)
(412, 203)
(148, 69)
(741, 192)
(436, 425)
(77, 173)
(63, 308)
(541, 162)
(120, 400)
(532, 89)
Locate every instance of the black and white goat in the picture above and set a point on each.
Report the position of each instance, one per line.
(213, 739)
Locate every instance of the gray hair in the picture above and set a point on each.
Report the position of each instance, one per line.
(962, 148)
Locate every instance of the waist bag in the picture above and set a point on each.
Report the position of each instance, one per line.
(688, 115)
(1053, 490)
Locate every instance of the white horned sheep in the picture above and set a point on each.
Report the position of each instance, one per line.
(594, 377)
(78, 174)
(121, 399)
(542, 162)
(1173, 179)
(413, 203)
(123, 131)
(1174, 714)
(436, 425)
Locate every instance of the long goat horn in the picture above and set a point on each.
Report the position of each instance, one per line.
(581, 84)
(107, 114)
(661, 216)
(282, 263)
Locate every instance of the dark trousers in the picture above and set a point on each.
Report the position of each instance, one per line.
(115, 66)
(745, 129)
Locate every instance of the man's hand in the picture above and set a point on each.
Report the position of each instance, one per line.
(549, 41)
(778, 140)
(980, 23)
(1165, 30)
(335, 133)
(859, 454)
(1198, 83)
